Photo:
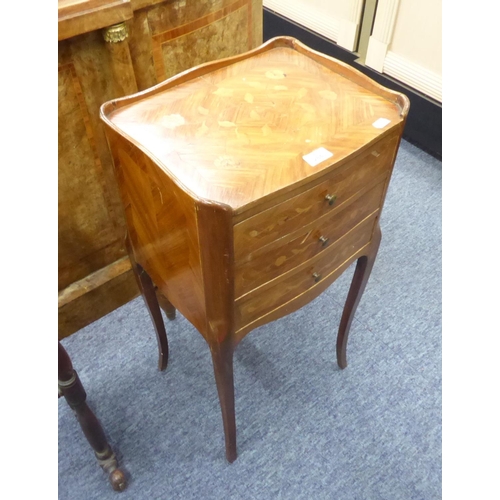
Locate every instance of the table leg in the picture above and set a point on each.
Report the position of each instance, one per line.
(222, 357)
(72, 389)
(148, 292)
(360, 279)
(166, 305)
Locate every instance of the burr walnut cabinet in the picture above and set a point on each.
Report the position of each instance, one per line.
(109, 49)
(249, 185)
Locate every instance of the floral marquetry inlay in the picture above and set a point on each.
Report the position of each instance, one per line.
(172, 121)
(275, 74)
(226, 161)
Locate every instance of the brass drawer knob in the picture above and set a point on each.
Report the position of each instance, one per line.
(330, 198)
(375, 153)
(316, 277)
(324, 240)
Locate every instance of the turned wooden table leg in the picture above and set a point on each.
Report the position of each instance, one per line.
(222, 357)
(148, 292)
(72, 389)
(360, 279)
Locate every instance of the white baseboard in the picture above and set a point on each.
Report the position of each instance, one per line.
(375, 56)
(348, 34)
(413, 75)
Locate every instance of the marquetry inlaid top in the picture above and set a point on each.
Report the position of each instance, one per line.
(236, 133)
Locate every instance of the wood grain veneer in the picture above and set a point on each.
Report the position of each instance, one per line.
(288, 252)
(295, 211)
(234, 227)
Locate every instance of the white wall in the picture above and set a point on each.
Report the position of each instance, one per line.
(406, 43)
(417, 33)
(335, 19)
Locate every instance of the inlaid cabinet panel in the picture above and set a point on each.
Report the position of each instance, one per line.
(171, 37)
(91, 226)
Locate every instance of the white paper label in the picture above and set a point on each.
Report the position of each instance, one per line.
(381, 123)
(317, 156)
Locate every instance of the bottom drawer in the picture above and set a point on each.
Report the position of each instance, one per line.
(278, 292)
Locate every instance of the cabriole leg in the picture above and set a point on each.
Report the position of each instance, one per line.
(166, 305)
(360, 279)
(148, 292)
(222, 357)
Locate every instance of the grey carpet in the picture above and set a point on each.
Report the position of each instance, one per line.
(306, 430)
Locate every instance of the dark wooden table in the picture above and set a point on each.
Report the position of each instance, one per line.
(71, 388)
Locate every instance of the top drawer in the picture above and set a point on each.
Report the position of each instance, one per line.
(306, 207)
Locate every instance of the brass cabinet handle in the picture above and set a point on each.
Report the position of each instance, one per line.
(316, 277)
(330, 198)
(376, 154)
(324, 240)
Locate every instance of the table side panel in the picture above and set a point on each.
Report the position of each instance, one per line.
(161, 219)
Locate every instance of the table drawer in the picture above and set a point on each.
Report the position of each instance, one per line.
(280, 256)
(308, 206)
(262, 301)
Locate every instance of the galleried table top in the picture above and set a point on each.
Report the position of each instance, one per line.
(236, 130)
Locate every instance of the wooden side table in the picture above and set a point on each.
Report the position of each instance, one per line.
(250, 184)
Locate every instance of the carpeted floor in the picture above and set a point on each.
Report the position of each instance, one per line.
(306, 430)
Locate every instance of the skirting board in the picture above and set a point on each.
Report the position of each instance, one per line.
(413, 75)
(424, 122)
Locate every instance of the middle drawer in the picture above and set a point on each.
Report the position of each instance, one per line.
(282, 255)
